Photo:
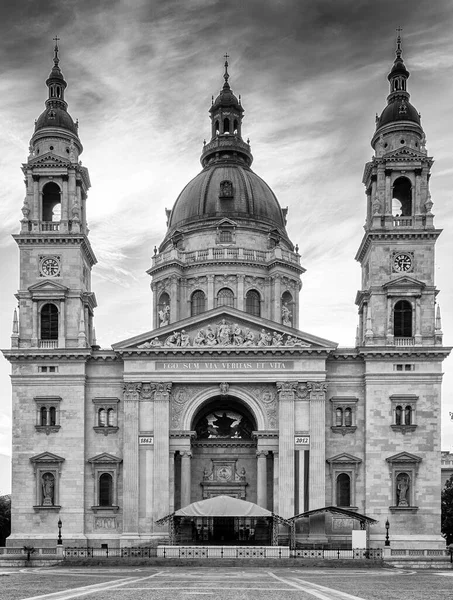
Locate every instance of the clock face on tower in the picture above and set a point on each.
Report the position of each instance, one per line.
(50, 267)
(402, 263)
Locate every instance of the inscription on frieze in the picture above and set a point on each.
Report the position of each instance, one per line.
(225, 365)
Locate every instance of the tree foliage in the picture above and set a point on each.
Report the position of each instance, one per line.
(447, 511)
(5, 518)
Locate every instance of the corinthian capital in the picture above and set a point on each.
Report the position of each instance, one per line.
(317, 389)
(162, 387)
(286, 386)
(131, 391)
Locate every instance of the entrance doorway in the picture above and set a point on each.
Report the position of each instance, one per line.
(224, 532)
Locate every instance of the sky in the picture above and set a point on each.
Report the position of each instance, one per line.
(140, 74)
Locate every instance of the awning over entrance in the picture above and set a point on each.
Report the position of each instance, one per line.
(223, 506)
(340, 511)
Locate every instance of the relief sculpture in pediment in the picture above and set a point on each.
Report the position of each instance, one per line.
(226, 333)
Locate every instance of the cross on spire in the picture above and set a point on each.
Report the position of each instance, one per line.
(56, 39)
(226, 75)
(226, 56)
(399, 51)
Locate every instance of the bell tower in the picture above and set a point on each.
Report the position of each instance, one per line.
(55, 299)
(397, 302)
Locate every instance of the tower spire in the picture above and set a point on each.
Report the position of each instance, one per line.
(226, 75)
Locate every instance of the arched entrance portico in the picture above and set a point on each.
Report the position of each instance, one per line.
(223, 453)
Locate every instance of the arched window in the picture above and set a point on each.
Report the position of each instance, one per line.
(51, 206)
(49, 322)
(343, 490)
(225, 297)
(348, 417)
(402, 319)
(339, 417)
(253, 303)
(217, 130)
(402, 198)
(105, 490)
(235, 126)
(398, 415)
(408, 415)
(102, 418)
(110, 417)
(226, 126)
(197, 303)
(52, 415)
(43, 416)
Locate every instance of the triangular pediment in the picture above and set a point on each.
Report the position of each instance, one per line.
(404, 153)
(224, 327)
(344, 457)
(48, 158)
(226, 222)
(404, 457)
(46, 457)
(105, 458)
(48, 285)
(405, 281)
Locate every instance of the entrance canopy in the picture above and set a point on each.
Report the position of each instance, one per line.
(223, 506)
(334, 509)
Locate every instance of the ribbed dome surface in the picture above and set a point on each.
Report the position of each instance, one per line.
(252, 197)
(60, 118)
(399, 110)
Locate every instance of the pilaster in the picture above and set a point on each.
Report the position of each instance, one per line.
(286, 397)
(161, 449)
(317, 395)
(131, 397)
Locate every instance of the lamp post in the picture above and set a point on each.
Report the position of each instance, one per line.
(387, 527)
(59, 541)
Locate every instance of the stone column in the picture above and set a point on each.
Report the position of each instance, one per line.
(185, 478)
(240, 303)
(277, 298)
(131, 397)
(317, 394)
(261, 479)
(210, 294)
(317, 462)
(62, 325)
(390, 337)
(161, 505)
(418, 320)
(34, 324)
(286, 396)
(146, 457)
(276, 492)
(171, 467)
(174, 299)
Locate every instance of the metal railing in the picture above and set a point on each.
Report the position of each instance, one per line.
(10, 551)
(138, 552)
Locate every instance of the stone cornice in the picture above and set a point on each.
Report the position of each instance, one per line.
(58, 239)
(47, 354)
(221, 351)
(385, 235)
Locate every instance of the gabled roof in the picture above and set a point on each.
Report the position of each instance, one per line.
(48, 158)
(405, 152)
(47, 284)
(212, 319)
(344, 457)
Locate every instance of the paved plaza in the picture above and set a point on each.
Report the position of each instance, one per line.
(179, 583)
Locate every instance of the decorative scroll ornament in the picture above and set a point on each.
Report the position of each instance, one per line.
(268, 397)
(227, 334)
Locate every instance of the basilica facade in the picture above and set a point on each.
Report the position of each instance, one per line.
(225, 395)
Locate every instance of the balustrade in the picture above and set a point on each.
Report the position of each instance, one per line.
(220, 253)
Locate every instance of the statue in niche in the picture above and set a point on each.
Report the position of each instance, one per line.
(47, 489)
(286, 315)
(402, 489)
(423, 144)
(164, 315)
(223, 424)
(72, 156)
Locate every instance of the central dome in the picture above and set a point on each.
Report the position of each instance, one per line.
(226, 190)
